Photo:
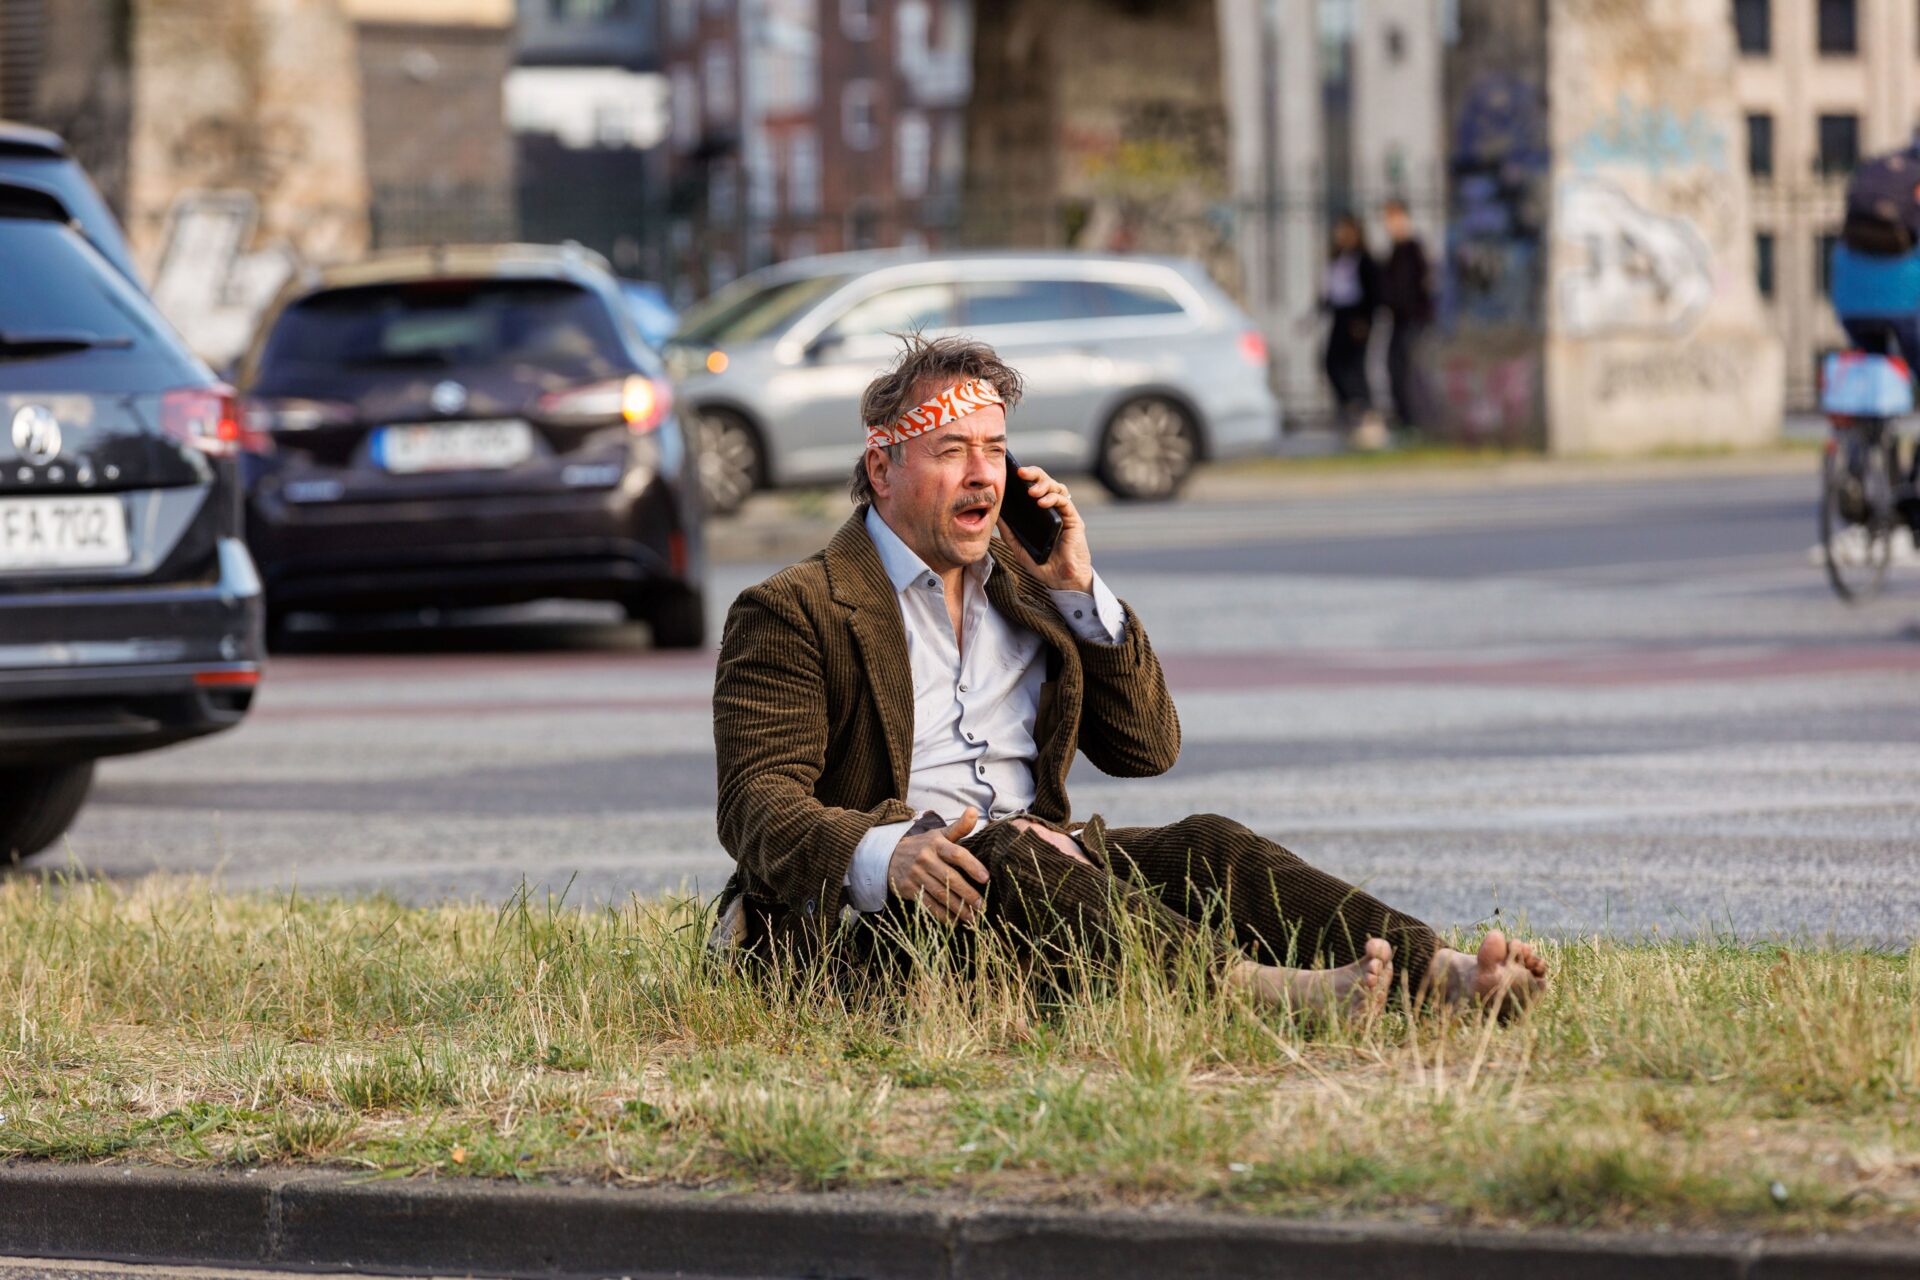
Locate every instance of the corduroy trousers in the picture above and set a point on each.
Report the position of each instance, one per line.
(1272, 905)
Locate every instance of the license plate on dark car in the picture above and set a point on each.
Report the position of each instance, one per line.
(78, 532)
(452, 446)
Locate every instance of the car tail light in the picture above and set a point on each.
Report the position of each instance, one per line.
(242, 678)
(642, 403)
(1253, 347)
(208, 419)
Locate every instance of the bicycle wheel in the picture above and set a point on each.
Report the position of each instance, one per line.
(1856, 511)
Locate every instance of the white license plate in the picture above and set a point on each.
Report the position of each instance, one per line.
(63, 533)
(453, 446)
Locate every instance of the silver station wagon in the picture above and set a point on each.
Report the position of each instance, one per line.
(1136, 368)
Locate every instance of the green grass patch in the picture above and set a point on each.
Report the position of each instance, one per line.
(1660, 1084)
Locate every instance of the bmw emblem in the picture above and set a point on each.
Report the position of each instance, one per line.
(36, 434)
(447, 397)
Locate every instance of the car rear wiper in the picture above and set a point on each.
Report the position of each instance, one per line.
(379, 359)
(20, 342)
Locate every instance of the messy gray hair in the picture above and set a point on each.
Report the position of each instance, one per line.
(925, 367)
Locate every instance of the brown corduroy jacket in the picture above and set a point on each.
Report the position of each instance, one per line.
(813, 720)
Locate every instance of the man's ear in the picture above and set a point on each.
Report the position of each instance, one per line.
(877, 463)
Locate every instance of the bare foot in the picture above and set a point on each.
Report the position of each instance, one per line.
(1357, 988)
(1505, 975)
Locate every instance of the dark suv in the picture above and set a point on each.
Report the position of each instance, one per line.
(469, 426)
(130, 613)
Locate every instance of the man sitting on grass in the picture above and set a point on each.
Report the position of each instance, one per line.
(878, 700)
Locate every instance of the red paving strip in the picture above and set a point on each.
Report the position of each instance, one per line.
(1212, 672)
(1186, 673)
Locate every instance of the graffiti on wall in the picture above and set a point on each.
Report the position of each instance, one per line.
(1650, 137)
(1498, 161)
(211, 283)
(1635, 271)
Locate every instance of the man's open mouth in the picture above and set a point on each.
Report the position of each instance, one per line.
(974, 516)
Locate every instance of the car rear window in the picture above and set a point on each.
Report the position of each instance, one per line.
(436, 324)
(750, 309)
(69, 318)
(989, 302)
(1114, 299)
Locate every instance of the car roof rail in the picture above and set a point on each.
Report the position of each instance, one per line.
(18, 139)
(30, 200)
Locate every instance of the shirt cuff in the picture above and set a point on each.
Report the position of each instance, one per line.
(867, 873)
(1095, 616)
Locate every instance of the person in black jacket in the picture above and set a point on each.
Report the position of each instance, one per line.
(1350, 292)
(1406, 289)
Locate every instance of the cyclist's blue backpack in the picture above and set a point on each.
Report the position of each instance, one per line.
(1883, 205)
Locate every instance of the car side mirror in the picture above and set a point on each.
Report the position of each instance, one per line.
(823, 345)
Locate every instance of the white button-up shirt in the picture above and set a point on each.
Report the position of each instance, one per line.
(973, 710)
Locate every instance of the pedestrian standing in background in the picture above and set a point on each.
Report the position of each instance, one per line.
(1406, 289)
(1350, 294)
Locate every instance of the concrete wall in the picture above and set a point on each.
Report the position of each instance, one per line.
(246, 155)
(1655, 332)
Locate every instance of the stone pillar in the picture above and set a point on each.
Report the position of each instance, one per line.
(1100, 124)
(1655, 332)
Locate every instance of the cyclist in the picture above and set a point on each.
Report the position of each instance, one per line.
(1876, 266)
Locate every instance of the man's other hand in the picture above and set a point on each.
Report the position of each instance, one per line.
(1070, 567)
(933, 870)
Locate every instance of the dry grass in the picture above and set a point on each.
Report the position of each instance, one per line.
(1669, 1083)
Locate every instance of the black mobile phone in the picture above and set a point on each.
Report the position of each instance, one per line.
(1036, 527)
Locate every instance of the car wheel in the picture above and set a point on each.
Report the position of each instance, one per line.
(1148, 449)
(731, 463)
(677, 617)
(37, 803)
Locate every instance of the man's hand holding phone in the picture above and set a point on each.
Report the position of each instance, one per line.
(1070, 565)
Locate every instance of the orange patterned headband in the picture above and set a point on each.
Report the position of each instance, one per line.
(949, 406)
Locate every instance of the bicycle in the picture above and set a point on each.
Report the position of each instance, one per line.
(1866, 497)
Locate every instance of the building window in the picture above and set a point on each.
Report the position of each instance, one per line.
(856, 19)
(763, 186)
(1824, 268)
(722, 193)
(717, 68)
(685, 108)
(913, 158)
(803, 173)
(681, 19)
(1839, 144)
(588, 10)
(1760, 144)
(1753, 26)
(856, 115)
(1838, 32)
(1763, 263)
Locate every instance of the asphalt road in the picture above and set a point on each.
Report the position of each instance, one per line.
(1613, 705)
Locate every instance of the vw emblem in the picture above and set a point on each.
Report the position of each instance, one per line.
(36, 434)
(447, 397)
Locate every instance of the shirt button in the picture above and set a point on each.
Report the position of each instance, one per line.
(1076, 613)
(963, 688)
(969, 737)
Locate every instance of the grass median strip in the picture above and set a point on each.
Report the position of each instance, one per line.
(1675, 1083)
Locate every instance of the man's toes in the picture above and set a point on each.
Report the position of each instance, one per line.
(1493, 951)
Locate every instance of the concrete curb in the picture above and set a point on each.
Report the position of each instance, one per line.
(320, 1221)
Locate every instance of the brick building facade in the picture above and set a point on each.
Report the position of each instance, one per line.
(810, 126)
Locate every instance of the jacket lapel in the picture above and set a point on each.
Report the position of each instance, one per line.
(857, 580)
